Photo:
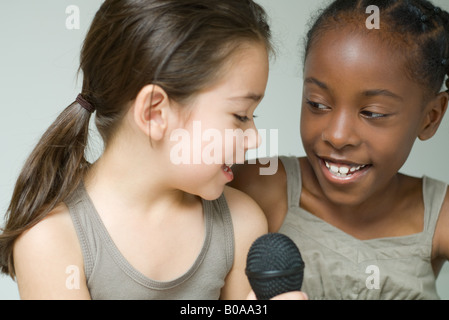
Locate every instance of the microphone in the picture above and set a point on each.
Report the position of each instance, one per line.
(274, 265)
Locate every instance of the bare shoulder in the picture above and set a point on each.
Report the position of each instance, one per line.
(267, 187)
(245, 212)
(46, 255)
(249, 223)
(441, 237)
(47, 235)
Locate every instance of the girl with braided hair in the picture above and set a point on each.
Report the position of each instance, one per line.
(365, 231)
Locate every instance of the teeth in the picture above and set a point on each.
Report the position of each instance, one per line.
(334, 169)
(342, 171)
(227, 168)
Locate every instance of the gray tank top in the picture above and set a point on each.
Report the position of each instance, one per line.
(110, 276)
(339, 266)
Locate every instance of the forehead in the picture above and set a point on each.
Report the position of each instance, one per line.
(245, 71)
(242, 81)
(357, 59)
(351, 49)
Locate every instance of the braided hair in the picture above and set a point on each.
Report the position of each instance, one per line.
(416, 29)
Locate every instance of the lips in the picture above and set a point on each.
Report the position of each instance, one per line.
(342, 169)
(228, 171)
(226, 168)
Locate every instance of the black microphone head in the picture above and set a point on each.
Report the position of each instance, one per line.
(274, 265)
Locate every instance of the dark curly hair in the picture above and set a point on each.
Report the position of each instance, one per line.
(416, 29)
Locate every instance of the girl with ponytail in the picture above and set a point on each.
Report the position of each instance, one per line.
(137, 224)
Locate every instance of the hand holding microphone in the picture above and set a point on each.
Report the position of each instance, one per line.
(274, 266)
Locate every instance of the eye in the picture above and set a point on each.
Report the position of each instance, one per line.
(373, 115)
(316, 105)
(243, 118)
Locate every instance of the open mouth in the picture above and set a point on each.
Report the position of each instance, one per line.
(228, 171)
(226, 168)
(344, 170)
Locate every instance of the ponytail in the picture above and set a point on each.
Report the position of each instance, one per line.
(52, 171)
(129, 44)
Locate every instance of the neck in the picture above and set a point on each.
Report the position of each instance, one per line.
(374, 208)
(128, 177)
(354, 217)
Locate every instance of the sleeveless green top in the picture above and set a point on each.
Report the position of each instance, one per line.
(339, 266)
(111, 277)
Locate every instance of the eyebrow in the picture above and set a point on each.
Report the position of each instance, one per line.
(381, 92)
(320, 84)
(367, 93)
(250, 96)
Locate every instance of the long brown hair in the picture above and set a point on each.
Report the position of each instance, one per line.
(179, 45)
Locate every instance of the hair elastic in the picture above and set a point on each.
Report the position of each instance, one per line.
(84, 103)
(444, 62)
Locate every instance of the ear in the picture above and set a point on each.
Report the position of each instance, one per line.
(151, 108)
(436, 109)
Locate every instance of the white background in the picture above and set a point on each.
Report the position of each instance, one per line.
(39, 58)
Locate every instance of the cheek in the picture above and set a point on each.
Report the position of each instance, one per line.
(193, 177)
(391, 148)
(309, 129)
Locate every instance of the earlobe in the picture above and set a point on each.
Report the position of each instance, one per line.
(437, 108)
(150, 111)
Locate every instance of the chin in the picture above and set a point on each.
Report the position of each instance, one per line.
(345, 199)
(211, 195)
(210, 192)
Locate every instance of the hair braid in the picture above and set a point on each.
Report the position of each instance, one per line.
(416, 29)
(444, 16)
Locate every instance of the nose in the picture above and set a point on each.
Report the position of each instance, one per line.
(244, 141)
(252, 138)
(342, 130)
